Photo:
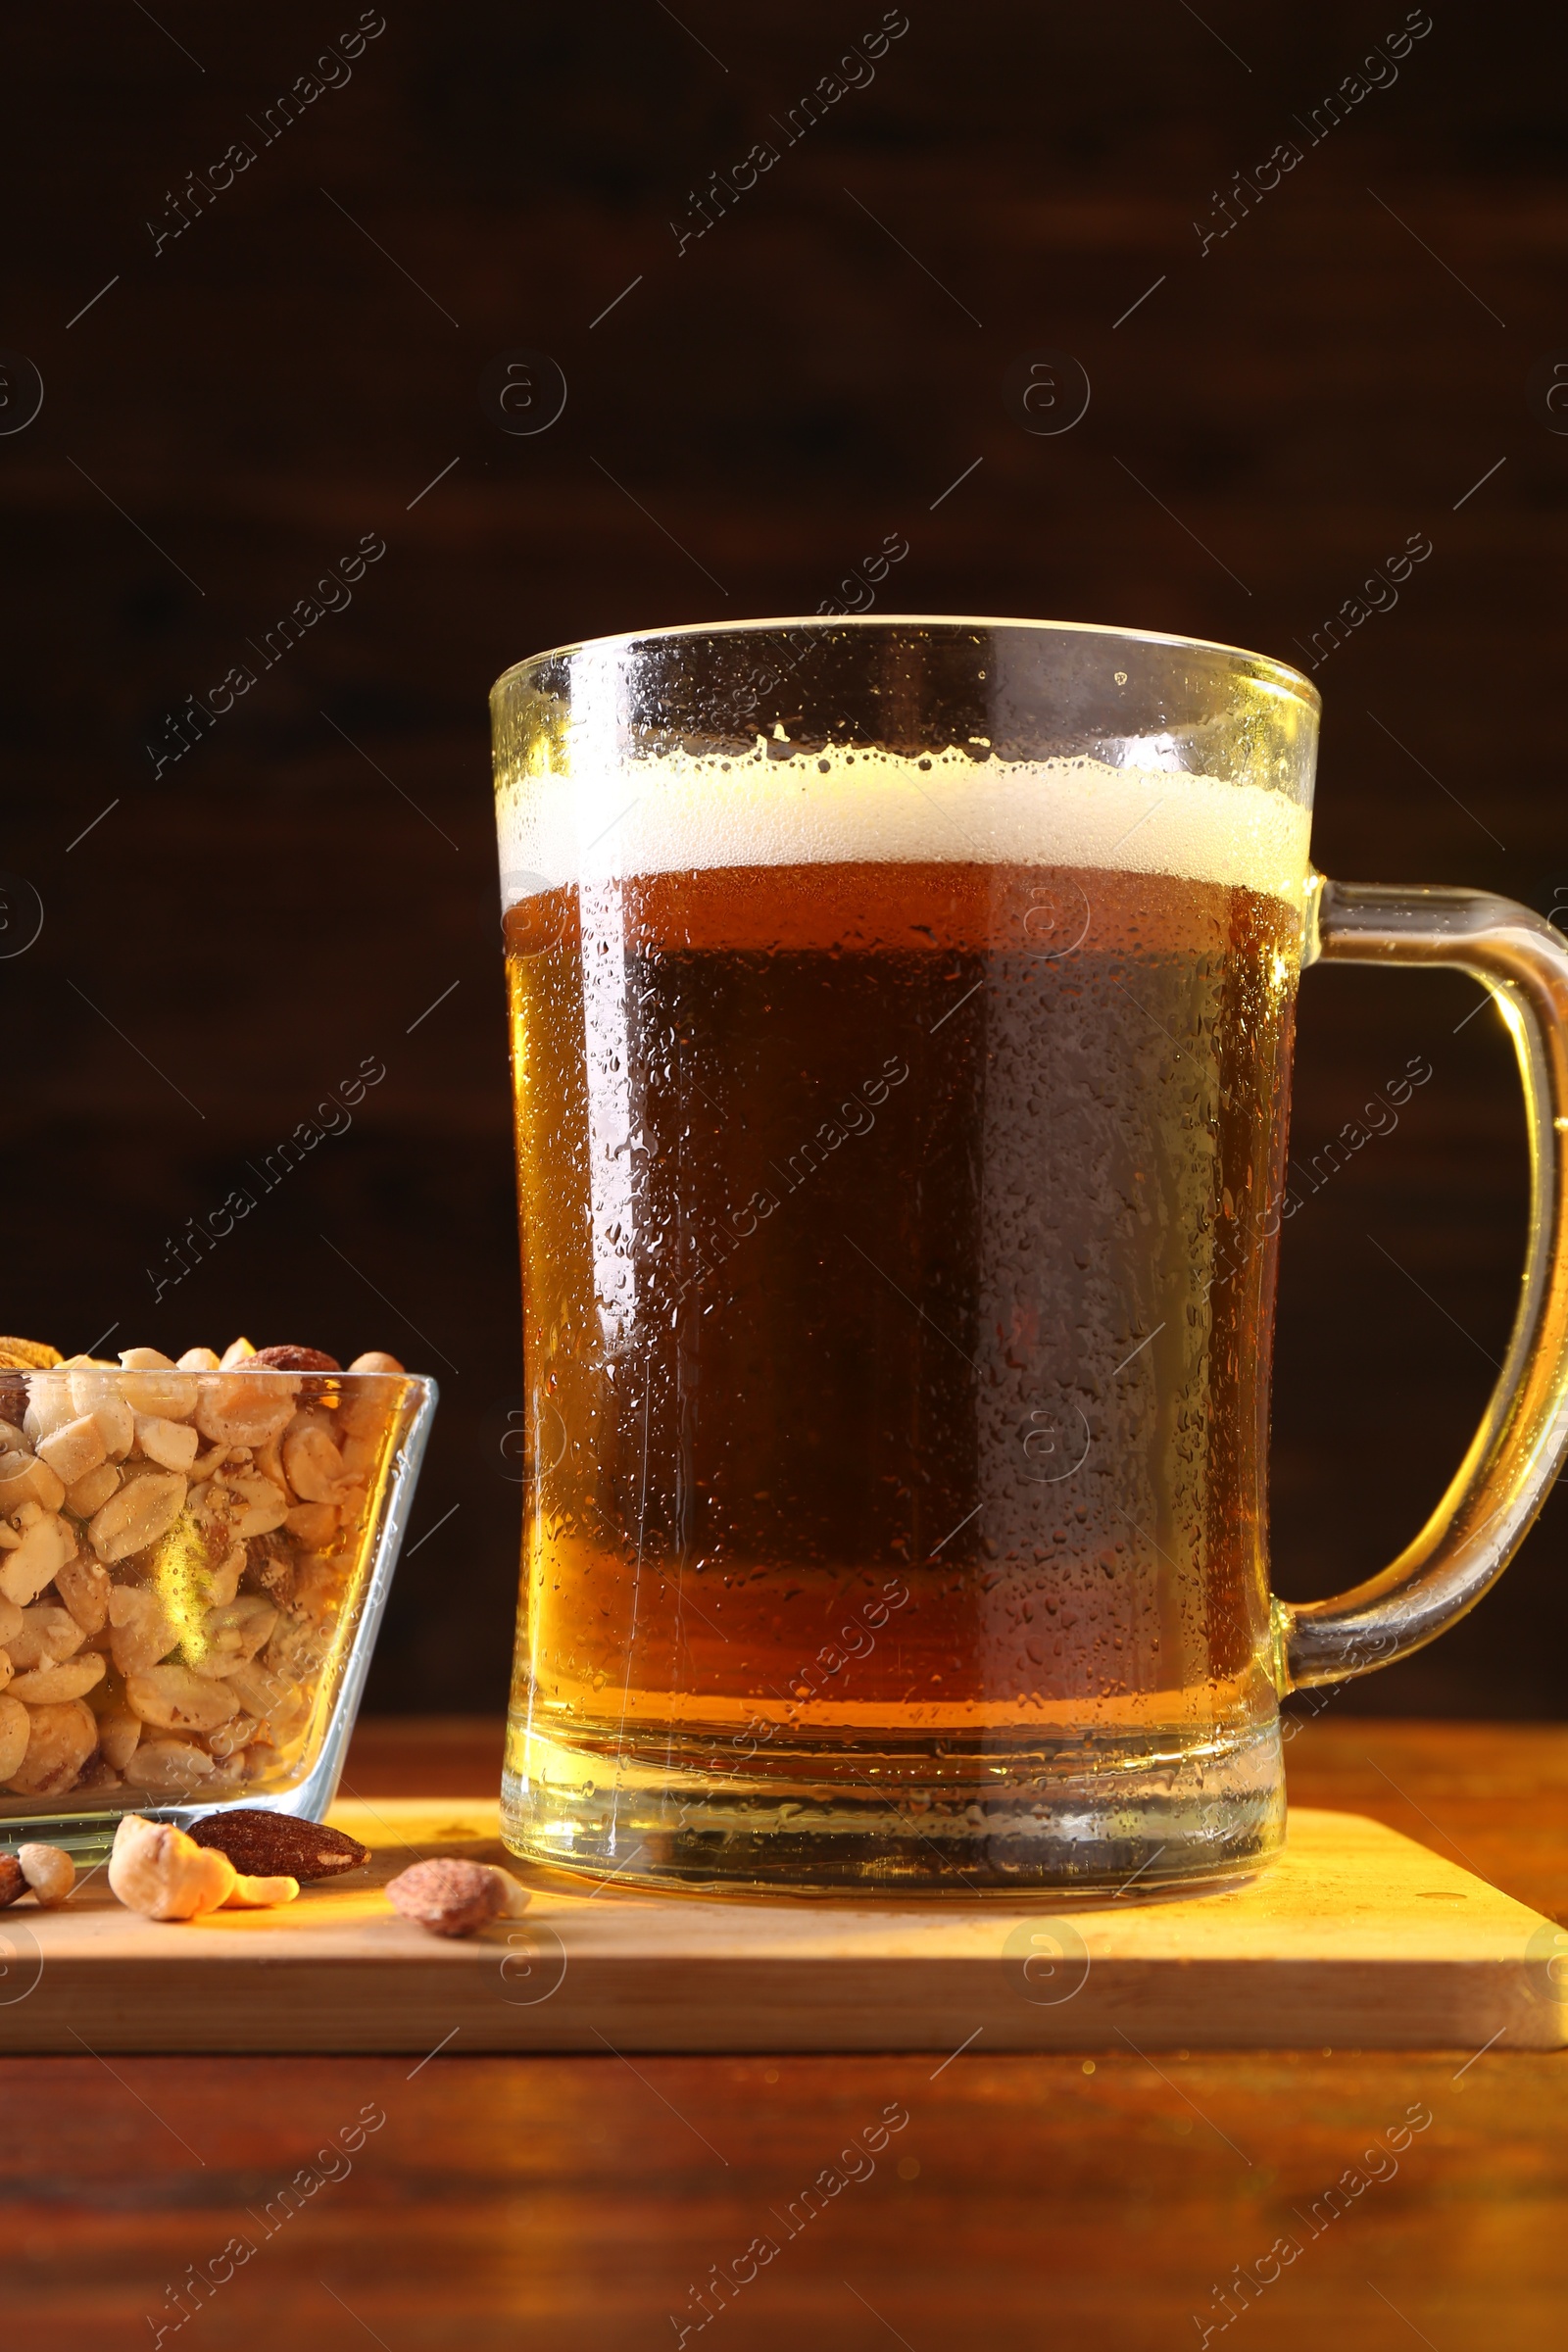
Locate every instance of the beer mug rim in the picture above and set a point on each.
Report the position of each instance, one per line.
(1240, 662)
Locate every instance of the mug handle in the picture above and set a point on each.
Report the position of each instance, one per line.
(1500, 1487)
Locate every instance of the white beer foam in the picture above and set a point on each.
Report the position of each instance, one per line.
(616, 821)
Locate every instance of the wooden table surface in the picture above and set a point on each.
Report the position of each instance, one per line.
(1028, 2202)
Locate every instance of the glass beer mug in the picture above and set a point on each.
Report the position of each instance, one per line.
(901, 1017)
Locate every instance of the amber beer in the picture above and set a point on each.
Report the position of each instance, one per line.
(899, 1265)
(902, 1022)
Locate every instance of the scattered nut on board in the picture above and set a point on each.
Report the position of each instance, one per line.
(456, 1899)
(49, 1871)
(154, 1869)
(273, 1844)
(45, 1871)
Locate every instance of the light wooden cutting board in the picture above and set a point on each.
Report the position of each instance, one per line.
(1354, 1938)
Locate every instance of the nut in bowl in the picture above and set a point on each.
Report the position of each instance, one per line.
(194, 1556)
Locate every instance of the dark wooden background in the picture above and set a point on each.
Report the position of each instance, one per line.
(314, 882)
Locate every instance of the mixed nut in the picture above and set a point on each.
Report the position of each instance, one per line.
(249, 1859)
(157, 1870)
(43, 1870)
(177, 1542)
(455, 1897)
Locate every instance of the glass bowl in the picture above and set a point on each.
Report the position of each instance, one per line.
(193, 1567)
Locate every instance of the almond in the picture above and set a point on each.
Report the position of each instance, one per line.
(291, 1360)
(266, 1844)
(455, 1898)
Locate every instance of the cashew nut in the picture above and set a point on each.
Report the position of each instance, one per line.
(255, 1894)
(157, 1870)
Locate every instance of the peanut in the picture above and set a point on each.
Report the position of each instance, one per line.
(90, 1494)
(158, 1386)
(83, 1586)
(47, 1544)
(141, 1630)
(262, 1506)
(97, 1393)
(222, 1582)
(42, 1635)
(246, 1408)
(175, 1699)
(23, 1478)
(298, 1646)
(49, 1404)
(144, 1509)
(232, 1635)
(75, 1448)
(229, 1738)
(169, 1765)
(48, 1685)
(272, 1700)
(117, 1734)
(170, 1443)
(313, 1464)
(15, 1729)
(314, 1523)
(60, 1740)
